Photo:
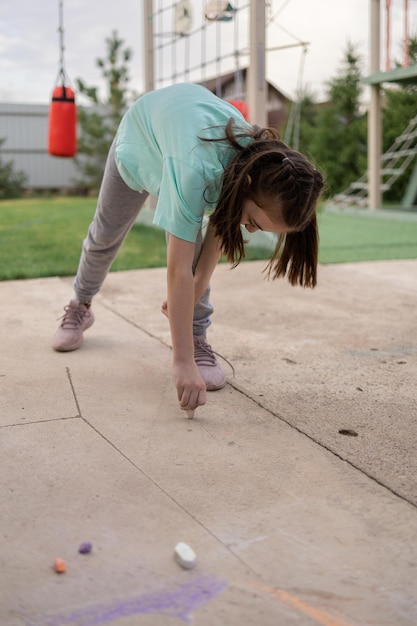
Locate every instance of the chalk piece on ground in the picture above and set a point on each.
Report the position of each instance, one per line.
(85, 547)
(59, 566)
(184, 555)
(190, 414)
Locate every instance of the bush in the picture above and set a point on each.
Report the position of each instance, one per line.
(11, 181)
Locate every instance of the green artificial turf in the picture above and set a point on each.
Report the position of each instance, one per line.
(365, 237)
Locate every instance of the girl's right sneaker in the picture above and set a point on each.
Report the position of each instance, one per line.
(77, 318)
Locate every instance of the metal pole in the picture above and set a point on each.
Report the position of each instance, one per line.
(148, 45)
(406, 62)
(375, 118)
(257, 88)
(388, 35)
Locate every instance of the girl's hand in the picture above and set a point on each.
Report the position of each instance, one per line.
(191, 388)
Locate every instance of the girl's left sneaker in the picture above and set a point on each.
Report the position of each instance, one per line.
(77, 318)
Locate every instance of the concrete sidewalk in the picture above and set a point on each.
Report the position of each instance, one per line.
(293, 522)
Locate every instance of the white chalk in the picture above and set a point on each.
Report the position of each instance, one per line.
(190, 414)
(184, 555)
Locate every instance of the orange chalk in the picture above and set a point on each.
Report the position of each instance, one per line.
(60, 566)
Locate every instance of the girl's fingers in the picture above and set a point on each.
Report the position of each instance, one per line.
(191, 400)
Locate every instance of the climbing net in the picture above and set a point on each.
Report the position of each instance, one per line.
(197, 40)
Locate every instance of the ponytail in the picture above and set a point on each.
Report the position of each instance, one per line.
(296, 256)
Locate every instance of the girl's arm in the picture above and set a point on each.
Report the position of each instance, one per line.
(191, 388)
(207, 261)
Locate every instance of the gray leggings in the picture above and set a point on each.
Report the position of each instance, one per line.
(117, 209)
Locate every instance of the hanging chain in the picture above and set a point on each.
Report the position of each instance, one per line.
(61, 39)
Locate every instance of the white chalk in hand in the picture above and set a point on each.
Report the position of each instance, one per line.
(190, 414)
(184, 555)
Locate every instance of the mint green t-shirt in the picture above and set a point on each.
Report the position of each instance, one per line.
(158, 150)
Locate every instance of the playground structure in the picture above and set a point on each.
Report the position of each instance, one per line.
(393, 164)
(196, 40)
(201, 41)
(205, 40)
(385, 169)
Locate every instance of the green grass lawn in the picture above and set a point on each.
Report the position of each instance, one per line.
(42, 237)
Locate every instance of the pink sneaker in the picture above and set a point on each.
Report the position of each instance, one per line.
(210, 370)
(69, 336)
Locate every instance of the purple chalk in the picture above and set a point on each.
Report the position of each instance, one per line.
(177, 601)
(85, 548)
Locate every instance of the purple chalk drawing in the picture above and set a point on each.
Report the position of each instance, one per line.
(177, 602)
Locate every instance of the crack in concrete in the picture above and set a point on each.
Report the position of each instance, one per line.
(276, 415)
(45, 421)
(155, 483)
(322, 445)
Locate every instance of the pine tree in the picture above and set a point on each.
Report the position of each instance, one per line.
(339, 141)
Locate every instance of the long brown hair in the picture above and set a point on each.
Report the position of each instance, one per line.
(283, 183)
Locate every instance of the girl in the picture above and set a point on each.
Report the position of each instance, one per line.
(194, 152)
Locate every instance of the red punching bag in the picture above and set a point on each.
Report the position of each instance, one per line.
(62, 131)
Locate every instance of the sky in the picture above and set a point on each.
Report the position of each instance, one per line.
(29, 41)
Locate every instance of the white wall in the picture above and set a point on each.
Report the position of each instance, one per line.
(25, 130)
